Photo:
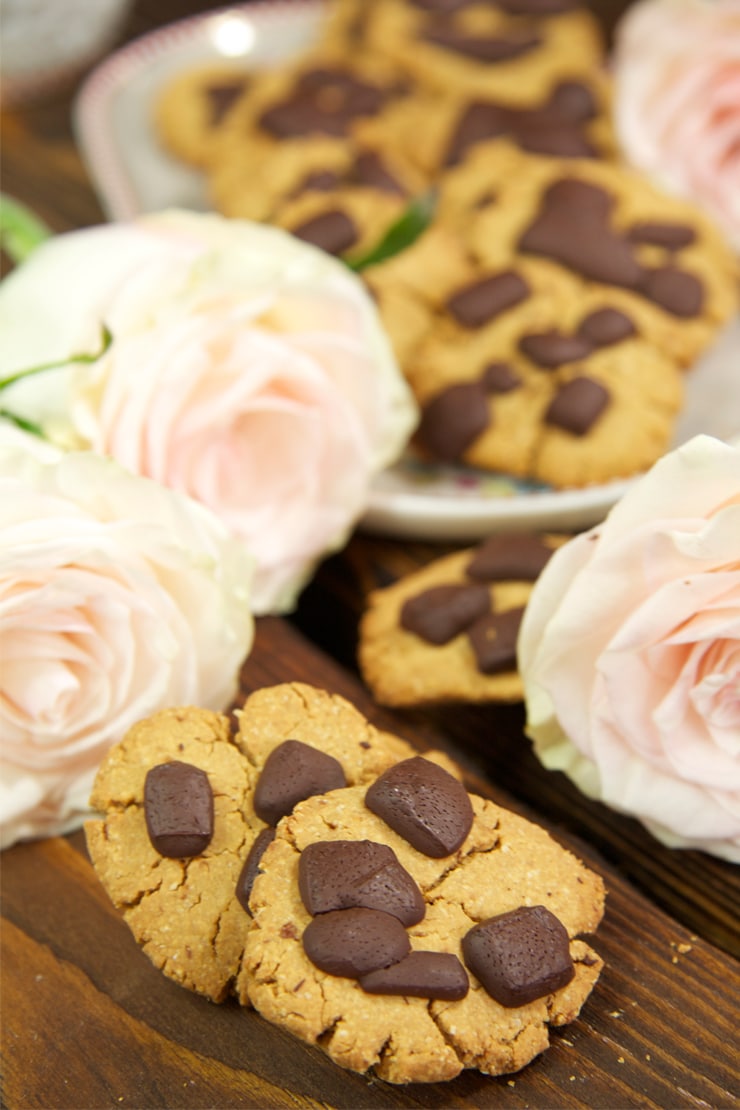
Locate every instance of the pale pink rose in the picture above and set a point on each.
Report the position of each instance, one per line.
(630, 652)
(248, 369)
(677, 99)
(117, 598)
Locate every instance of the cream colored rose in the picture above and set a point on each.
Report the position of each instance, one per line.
(247, 369)
(630, 652)
(117, 598)
(677, 99)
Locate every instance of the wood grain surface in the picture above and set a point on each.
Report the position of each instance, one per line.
(87, 1022)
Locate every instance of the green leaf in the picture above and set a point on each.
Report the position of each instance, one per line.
(401, 234)
(21, 422)
(106, 341)
(20, 230)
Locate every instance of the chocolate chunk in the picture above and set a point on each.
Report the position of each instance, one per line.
(572, 227)
(338, 874)
(577, 405)
(537, 7)
(556, 140)
(573, 101)
(221, 97)
(520, 955)
(334, 232)
(178, 809)
(319, 181)
(294, 771)
(294, 118)
(323, 101)
(489, 49)
(502, 558)
(605, 326)
(479, 121)
(674, 237)
(421, 975)
(251, 868)
(677, 292)
(551, 348)
(354, 941)
(483, 300)
(369, 169)
(453, 420)
(498, 377)
(424, 804)
(493, 639)
(442, 612)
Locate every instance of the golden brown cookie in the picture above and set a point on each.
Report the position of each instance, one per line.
(193, 105)
(470, 892)
(448, 632)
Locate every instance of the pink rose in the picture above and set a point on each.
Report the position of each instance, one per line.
(248, 370)
(630, 652)
(677, 99)
(117, 598)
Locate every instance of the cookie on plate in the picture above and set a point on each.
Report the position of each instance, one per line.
(448, 632)
(193, 105)
(413, 930)
(174, 869)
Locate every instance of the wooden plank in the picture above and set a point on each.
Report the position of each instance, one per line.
(88, 1021)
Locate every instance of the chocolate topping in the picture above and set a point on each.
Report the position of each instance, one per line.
(369, 169)
(557, 140)
(573, 101)
(323, 101)
(576, 405)
(421, 975)
(453, 419)
(442, 612)
(221, 97)
(294, 771)
(499, 377)
(520, 955)
(319, 181)
(551, 348)
(178, 809)
(605, 326)
(251, 868)
(537, 7)
(489, 49)
(676, 291)
(334, 232)
(479, 121)
(424, 804)
(481, 301)
(355, 941)
(338, 874)
(493, 639)
(674, 237)
(501, 558)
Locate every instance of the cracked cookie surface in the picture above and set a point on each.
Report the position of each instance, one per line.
(504, 863)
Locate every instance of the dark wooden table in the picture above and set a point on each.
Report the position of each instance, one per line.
(87, 1022)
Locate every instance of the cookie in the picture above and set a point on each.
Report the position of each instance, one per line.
(191, 107)
(475, 951)
(182, 908)
(448, 632)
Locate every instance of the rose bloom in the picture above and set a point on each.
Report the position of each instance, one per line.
(629, 652)
(247, 369)
(677, 99)
(118, 597)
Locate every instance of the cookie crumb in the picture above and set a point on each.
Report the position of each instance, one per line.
(620, 1059)
(683, 948)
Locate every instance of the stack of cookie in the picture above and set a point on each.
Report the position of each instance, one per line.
(350, 890)
(546, 316)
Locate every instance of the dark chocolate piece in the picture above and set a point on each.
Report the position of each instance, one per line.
(319, 181)
(251, 868)
(354, 941)
(577, 405)
(221, 97)
(481, 301)
(480, 120)
(606, 326)
(369, 169)
(520, 955)
(424, 804)
(334, 232)
(674, 237)
(538, 7)
(442, 612)
(489, 49)
(573, 101)
(499, 377)
(549, 349)
(676, 291)
(337, 874)
(504, 557)
(556, 140)
(294, 771)
(493, 639)
(421, 975)
(178, 809)
(453, 420)
(323, 101)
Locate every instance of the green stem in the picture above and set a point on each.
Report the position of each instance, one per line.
(106, 341)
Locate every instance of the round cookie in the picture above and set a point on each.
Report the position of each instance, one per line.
(507, 877)
(448, 632)
(191, 108)
(183, 911)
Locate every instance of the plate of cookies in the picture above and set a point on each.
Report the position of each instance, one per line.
(561, 320)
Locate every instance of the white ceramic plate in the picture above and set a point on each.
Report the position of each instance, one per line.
(132, 174)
